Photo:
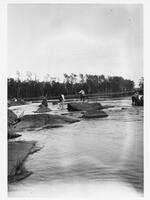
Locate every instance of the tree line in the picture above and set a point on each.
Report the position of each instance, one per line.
(71, 85)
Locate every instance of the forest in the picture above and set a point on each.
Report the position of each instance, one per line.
(72, 83)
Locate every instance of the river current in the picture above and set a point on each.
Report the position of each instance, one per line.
(86, 159)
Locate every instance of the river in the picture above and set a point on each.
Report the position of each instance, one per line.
(87, 159)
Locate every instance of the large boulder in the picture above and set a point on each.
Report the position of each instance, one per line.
(83, 106)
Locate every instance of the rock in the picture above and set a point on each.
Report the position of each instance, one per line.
(40, 120)
(42, 109)
(16, 103)
(12, 120)
(12, 117)
(13, 136)
(94, 114)
(49, 126)
(84, 106)
(11, 131)
(107, 106)
(17, 154)
(55, 102)
(123, 108)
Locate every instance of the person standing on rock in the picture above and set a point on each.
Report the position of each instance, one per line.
(82, 95)
(43, 107)
(44, 102)
(61, 100)
(135, 98)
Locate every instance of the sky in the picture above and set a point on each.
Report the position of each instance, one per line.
(76, 38)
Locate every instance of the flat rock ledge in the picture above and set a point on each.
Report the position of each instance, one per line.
(43, 120)
(86, 106)
(95, 114)
(83, 106)
(18, 152)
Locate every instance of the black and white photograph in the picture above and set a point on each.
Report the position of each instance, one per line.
(75, 100)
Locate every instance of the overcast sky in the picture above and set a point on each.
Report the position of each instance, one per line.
(75, 38)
